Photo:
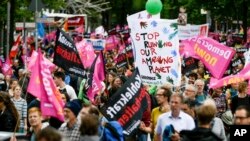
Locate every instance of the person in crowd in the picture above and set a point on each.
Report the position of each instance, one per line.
(89, 128)
(216, 124)
(16, 66)
(192, 77)
(190, 92)
(21, 106)
(13, 83)
(201, 94)
(227, 119)
(231, 92)
(49, 134)
(242, 98)
(7, 80)
(175, 117)
(163, 97)
(35, 121)
(9, 119)
(205, 115)
(3, 85)
(23, 80)
(242, 115)
(70, 128)
(116, 84)
(188, 107)
(110, 78)
(59, 81)
(220, 100)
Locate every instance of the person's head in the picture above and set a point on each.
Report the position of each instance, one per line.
(5, 102)
(188, 107)
(235, 85)
(242, 115)
(21, 72)
(48, 134)
(65, 97)
(192, 77)
(89, 125)
(242, 87)
(17, 91)
(35, 117)
(111, 76)
(13, 83)
(71, 110)
(117, 82)
(190, 91)
(89, 109)
(163, 95)
(199, 84)
(205, 114)
(59, 77)
(217, 91)
(176, 100)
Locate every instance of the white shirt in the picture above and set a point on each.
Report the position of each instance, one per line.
(183, 122)
(70, 91)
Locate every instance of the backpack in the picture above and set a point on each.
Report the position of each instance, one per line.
(112, 132)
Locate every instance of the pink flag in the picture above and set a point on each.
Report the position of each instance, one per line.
(215, 56)
(31, 61)
(80, 29)
(111, 42)
(14, 50)
(243, 75)
(43, 87)
(97, 75)
(86, 53)
(7, 67)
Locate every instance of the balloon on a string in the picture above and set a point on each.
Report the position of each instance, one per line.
(154, 6)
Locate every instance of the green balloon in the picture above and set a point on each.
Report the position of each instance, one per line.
(154, 6)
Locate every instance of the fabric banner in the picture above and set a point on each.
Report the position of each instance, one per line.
(96, 76)
(86, 52)
(243, 75)
(215, 56)
(98, 44)
(189, 31)
(66, 55)
(42, 86)
(7, 67)
(128, 104)
(121, 60)
(156, 47)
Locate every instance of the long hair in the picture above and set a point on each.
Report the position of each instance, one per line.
(5, 98)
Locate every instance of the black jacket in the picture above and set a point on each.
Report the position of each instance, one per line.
(199, 134)
(7, 121)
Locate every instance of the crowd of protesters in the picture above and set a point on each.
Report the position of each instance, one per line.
(189, 112)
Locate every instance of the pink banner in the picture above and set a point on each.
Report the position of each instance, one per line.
(111, 42)
(42, 86)
(215, 56)
(6, 68)
(241, 76)
(32, 60)
(86, 52)
(97, 77)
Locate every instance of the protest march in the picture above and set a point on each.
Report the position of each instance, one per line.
(151, 79)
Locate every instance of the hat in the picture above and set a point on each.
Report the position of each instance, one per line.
(74, 106)
(227, 117)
